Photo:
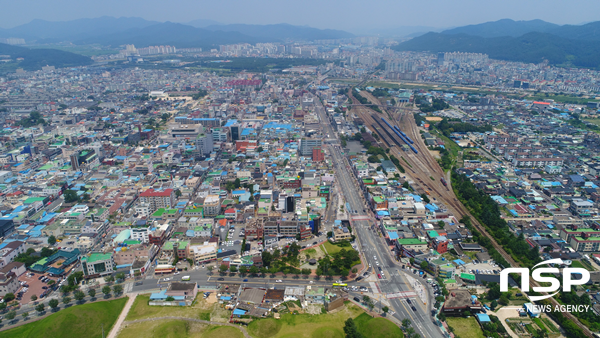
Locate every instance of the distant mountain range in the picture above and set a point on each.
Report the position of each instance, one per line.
(35, 59)
(142, 33)
(526, 41)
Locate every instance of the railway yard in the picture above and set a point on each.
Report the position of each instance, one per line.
(423, 171)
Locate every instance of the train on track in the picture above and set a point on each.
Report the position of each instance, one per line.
(403, 134)
(398, 132)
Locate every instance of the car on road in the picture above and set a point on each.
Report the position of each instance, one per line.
(314, 243)
(414, 308)
(246, 279)
(379, 268)
(279, 281)
(379, 276)
(221, 279)
(356, 299)
(363, 288)
(408, 301)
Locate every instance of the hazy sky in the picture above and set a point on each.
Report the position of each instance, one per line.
(351, 15)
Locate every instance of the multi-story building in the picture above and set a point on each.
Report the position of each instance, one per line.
(97, 264)
(212, 205)
(204, 144)
(203, 253)
(158, 199)
(307, 146)
(9, 283)
(318, 155)
(10, 251)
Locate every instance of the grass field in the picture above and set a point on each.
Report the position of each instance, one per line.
(594, 121)
(141, 310)
(465, 327)
(178, 329)
(80, 320)
(330, 325)
(377, 327)
(331, 248)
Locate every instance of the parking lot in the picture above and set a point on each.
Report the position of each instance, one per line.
(234, 240)
(483, 268)
(34, 286)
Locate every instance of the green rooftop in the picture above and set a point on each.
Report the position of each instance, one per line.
(467, 276)
(96, 256)
(410, 241)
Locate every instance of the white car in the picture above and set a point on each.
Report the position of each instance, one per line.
(279, 281)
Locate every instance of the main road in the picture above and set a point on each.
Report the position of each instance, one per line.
(395, 286)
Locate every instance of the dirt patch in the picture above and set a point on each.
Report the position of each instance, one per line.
(313, 309)
(212, 298)
(433, 118)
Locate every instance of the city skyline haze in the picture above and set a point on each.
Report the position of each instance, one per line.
(357, 17)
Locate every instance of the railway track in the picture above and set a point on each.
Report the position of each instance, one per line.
(428, 167)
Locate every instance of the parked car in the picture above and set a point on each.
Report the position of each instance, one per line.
(221, 279)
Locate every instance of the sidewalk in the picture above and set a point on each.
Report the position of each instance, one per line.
(115, 330)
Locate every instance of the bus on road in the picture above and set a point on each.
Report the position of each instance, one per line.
(340, 284)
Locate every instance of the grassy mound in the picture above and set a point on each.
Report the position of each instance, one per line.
(377, 327)
(80, 320)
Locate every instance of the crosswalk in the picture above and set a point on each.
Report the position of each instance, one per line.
(374, 287)
(401, 294)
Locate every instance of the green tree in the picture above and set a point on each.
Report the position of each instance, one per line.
(79, 295)
(40, 307)
(351, 330)
(406, 323)
(441, 224)
(52, 240)
(118, 289)
(503, 300)
(70, 196)
(259, 149)
(106, 290)
(243, 269)
(11, 315)
(8, 297)
(66, 300)
(25, 314)
(33, 298)
(169, 299)
(306, 271)
(366, 299)
(233, 269)
(385, 309)
(2, 306)
(253, 269)
(493, 305)
(178, 193)
(53, 303)
(120, 276)
(223, 268)
(210, 268)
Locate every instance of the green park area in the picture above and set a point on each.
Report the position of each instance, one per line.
(200, 309)
(465, 327)
(85, 320)
(330, 325)
(174, 328)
